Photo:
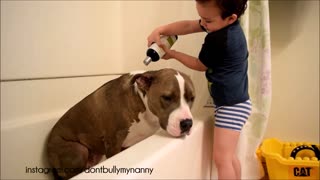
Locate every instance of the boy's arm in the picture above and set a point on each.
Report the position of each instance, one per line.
(176, 28)
(189, 61)
(181, 28)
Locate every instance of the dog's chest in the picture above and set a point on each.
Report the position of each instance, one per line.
(148, 125)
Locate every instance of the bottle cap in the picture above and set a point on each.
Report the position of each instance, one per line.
(147, 60)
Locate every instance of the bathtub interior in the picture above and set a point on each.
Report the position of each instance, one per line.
(161, 157)
(29, 109)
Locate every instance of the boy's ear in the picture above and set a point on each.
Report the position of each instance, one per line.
(231, 19)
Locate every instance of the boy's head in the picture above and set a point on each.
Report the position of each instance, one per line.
(228, 7)
(217, 14)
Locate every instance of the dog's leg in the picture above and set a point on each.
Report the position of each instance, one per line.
(95, 146)
(114, 145)
(67, 158)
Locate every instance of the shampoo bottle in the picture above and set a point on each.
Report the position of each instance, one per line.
(154, 52)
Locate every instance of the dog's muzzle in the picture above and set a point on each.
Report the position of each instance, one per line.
(185, 125)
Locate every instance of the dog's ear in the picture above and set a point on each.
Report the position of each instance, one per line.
(143, 81)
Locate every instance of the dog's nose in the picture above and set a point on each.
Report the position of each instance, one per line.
(185, 125)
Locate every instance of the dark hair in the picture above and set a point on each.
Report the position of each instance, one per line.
(229, 7)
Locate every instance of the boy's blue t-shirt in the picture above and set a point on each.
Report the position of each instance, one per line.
(225, 54)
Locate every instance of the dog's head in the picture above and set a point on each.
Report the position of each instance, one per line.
(169, 95)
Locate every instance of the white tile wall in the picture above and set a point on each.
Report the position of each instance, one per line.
(63, 38)
(54, 53)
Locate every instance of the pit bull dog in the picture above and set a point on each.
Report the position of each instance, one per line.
(117, 115)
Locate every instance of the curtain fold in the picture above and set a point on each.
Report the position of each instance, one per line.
(256, 26)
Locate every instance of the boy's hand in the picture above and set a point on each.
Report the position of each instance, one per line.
(169, 52)
(154, 37)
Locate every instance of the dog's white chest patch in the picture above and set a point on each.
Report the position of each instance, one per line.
(140, 130)
(147, 126)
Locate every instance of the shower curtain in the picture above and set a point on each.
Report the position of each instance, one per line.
(256, 26)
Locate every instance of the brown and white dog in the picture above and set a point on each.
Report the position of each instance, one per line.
(119, 114)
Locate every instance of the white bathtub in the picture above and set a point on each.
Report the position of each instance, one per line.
(161, 157)
(29, 109)
(178, 158)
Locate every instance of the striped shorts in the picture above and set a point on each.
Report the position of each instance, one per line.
(232, 117)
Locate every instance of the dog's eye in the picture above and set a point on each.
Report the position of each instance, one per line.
(166, 98)
(189, 98)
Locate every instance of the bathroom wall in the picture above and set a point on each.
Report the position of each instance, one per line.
(64, 38)
(54, 53)
(52, 40)
(295, 70)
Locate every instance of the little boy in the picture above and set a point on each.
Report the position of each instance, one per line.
(224, 57)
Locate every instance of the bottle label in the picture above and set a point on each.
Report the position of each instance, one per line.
(171, 40)
(168, 41)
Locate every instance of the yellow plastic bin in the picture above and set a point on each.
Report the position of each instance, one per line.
(291, 160)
